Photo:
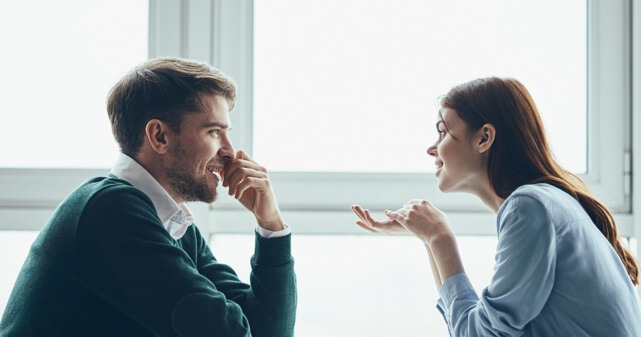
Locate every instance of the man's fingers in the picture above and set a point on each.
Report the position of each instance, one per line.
(235, 179)
(232, 169)
(242, 155)
(247, 183)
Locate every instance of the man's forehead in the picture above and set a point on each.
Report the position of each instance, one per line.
(215, 109)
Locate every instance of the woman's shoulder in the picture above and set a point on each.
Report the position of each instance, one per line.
(543, 199)
(542, 193)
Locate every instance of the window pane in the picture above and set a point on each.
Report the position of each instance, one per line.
(14, 248)
(347, 283)
(352, 86)
(62, 57)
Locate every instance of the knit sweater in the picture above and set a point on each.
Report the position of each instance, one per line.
(105, 266)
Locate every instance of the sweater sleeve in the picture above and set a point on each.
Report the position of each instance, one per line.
(270, 301)
(126, 257)
(522, 280)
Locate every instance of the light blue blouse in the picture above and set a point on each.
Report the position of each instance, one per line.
(555, 275)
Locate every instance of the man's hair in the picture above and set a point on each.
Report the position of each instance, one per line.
(166, 89)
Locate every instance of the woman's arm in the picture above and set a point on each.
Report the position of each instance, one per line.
(437, 276)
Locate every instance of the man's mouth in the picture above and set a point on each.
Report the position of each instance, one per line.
(217, 171)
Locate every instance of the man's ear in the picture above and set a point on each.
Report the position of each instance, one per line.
(158, 134)
(487, 134)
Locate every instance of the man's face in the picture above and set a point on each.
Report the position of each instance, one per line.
(200, 151)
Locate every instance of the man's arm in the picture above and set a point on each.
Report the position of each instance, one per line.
(126, 257)
(270, 302)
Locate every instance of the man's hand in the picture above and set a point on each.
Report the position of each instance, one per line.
(249, 183)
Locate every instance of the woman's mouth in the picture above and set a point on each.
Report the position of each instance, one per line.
(439, 166)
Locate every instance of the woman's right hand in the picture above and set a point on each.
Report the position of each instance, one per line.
(387, 226)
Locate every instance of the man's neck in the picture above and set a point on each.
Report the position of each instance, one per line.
(156, 168)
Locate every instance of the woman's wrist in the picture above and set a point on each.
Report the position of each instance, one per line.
(446, 256)
(440, 238)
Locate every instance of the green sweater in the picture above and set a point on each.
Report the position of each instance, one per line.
(104, 265)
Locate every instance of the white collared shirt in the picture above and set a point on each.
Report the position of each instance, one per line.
(176, 218)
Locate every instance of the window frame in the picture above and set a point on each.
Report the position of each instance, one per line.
(220, 32)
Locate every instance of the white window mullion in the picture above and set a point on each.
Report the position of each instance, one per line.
(608, 100)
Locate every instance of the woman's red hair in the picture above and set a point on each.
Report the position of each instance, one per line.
(520, 154)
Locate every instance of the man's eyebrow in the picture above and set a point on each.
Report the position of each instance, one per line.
(216, 124)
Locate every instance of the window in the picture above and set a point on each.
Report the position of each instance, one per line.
(352, 87)
(64, 58)
(346, 284)
(14, 249)
(588, 83)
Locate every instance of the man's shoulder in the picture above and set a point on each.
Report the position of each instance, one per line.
(111, 192)
(104, 193)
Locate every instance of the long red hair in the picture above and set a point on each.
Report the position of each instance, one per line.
(520, 154)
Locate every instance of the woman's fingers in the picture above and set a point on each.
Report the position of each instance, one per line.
(365, 226)
(396, 216)
(369, 218)
(359, 212)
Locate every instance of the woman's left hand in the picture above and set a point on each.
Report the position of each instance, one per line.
(422, 219)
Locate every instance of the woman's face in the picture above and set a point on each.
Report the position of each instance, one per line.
(459, 165)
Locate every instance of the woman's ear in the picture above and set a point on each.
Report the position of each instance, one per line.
(158, 134)
(487, 134)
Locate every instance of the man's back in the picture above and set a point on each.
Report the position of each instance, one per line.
(104, 265)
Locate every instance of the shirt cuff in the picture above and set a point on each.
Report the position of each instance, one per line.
(455, 286)
(267, 234)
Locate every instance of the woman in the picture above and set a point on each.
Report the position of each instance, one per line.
(560, 267)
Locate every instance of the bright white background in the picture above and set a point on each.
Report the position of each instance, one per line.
(353, 85)
(59, 60)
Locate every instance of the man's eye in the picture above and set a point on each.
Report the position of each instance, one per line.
(214, 131)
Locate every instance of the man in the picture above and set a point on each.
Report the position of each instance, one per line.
(121, 257)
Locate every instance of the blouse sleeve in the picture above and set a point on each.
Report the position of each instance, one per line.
(522, 281)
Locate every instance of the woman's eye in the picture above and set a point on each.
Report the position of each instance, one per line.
(441, 134)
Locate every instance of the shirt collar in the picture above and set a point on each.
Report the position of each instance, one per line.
(175, 218)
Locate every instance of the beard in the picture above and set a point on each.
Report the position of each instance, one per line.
(185, 183)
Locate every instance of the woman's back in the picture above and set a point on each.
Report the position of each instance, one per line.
(585, 291)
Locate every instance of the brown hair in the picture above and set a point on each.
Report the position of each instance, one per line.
(520, 154)
(165, 89)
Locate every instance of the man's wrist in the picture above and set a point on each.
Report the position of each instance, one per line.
(273, 225)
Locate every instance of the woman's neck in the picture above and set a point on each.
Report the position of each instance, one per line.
(485, 192)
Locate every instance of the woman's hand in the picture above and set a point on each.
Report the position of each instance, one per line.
(422, 219)
(368, 223)
(430, 225)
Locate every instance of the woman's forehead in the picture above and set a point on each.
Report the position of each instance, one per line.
(448, 116)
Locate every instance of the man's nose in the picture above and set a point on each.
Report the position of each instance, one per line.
(227, 151)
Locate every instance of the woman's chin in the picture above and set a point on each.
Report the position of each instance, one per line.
(441, 185)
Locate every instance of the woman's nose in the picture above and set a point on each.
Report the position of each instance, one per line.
(432, 150)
